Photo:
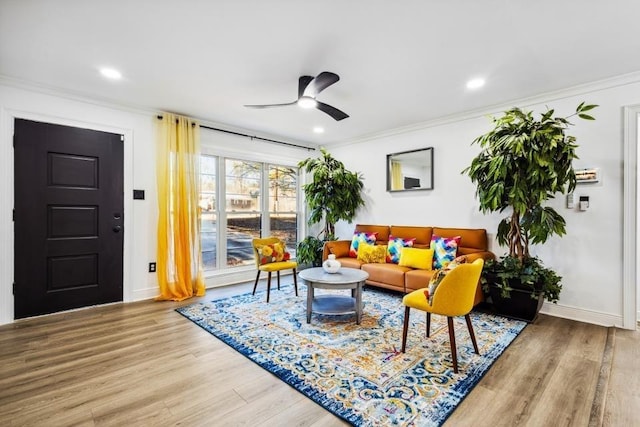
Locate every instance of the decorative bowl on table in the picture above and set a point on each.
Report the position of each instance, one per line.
(331, 264)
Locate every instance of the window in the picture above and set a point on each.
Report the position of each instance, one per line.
(283, 205)
(208, 217)
(243, 210)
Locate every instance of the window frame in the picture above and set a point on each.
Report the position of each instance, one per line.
(221, 214)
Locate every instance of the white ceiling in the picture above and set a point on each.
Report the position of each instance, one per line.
(400, 63)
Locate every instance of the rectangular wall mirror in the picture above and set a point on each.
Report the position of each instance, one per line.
(410, 170)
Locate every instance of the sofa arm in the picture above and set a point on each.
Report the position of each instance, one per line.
(340, 248)
(486, 255)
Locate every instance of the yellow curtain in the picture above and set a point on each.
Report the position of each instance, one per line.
(396, 176)
(179, 265)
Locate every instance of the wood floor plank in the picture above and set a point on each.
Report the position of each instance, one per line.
(301, 414)
(622, 405)
(143, 364)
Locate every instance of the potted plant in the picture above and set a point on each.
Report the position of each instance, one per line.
(524, 161)
(333, 194)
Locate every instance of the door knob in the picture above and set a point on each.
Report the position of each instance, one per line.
(117, 229)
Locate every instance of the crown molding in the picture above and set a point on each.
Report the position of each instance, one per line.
(133, 108)
(621, 80)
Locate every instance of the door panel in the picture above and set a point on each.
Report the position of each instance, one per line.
(68, 217)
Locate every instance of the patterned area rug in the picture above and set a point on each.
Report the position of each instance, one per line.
(357, 371)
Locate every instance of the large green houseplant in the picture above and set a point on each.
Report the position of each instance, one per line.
(333, 194)
(525, 161)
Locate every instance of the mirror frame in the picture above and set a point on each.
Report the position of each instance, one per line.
(428, 159)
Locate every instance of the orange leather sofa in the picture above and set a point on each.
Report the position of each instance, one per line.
(473, 244)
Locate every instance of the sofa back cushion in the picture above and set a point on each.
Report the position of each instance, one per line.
(339, 249)
(471, 239)
(421, 234)
(382, 230)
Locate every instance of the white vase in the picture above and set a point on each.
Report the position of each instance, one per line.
(331, 264)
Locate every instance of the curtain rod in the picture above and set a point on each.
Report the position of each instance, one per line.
(253, 137)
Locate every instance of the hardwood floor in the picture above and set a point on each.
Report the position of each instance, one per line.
(142, 364)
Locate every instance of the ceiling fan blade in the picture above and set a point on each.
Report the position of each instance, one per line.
(320, 83)
(303, 82)
(332, 111)
(271, 105)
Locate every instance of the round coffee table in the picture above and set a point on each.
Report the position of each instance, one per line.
(345, 278)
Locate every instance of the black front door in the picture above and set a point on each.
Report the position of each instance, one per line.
(68, 217)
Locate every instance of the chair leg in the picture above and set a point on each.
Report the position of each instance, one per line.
(268, 285)
(473, 336)
(255, 285)
(405, 327)
(295, 281)
(278, 274)
(452, 341)
(428, 324)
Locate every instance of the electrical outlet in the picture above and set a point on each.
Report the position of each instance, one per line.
(152, 267)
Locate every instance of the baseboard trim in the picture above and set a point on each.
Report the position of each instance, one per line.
(147, 293)
(214, 281)
(582, 315)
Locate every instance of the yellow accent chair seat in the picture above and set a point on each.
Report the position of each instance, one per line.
(453, 297)
(270, 267)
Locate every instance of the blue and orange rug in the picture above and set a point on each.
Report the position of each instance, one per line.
(357, 371)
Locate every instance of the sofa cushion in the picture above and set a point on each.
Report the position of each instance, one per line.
(417, 279)
(445, 250)
(471, 239)
(349, 262)
(421, 235)
(390, 274)
(359, 238)
(372, 253)
(382, 230)
(395, 246)
(339, 248)
(421, 259)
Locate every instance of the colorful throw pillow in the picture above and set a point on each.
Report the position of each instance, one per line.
(369, 238)
(372, 253)
(416, 258)
(444, 250)
(437, 277)
(394, 248)
(273, 253)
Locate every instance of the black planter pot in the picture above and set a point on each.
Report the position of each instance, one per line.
(518, 306)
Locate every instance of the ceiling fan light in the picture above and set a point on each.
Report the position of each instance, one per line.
(307, 102)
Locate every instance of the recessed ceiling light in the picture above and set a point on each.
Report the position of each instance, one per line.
(475, 83)
(318, 129)
(111, 73)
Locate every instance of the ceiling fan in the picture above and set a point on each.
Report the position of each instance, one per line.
(308, 88)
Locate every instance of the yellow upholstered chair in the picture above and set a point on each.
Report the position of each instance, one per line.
(453, 297)
(270, 267)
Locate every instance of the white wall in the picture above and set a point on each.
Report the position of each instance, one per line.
(589, 257)
(139, 243)
(138, 128)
